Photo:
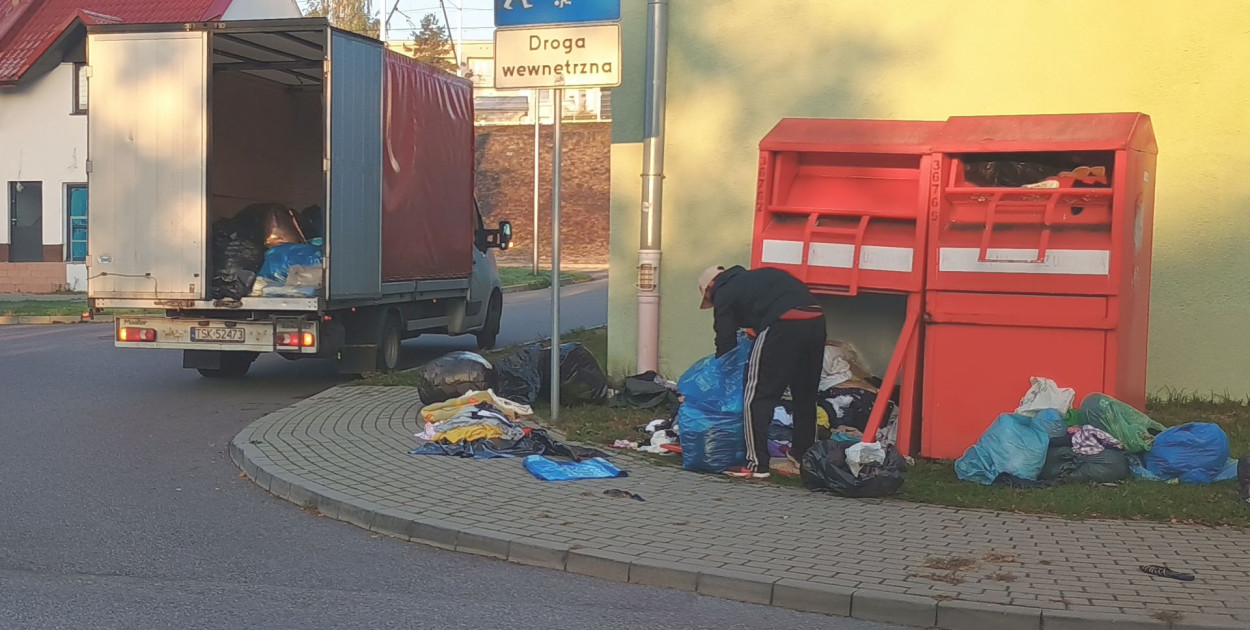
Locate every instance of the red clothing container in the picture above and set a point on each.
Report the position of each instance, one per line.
(1024, 282)
(1002, 283)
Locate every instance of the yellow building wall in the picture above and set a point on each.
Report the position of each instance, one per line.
(737, 66)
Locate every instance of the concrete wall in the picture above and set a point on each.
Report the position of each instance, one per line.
(39, 277)
(736, 67)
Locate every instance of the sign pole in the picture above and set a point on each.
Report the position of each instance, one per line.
(557, 101)
(537, 117)
(539, 45)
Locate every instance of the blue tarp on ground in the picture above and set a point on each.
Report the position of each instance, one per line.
(551, 470)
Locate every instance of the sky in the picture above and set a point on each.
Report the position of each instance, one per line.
(478, 17)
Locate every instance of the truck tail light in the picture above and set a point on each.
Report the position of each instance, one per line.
(296, 340)
(136, 334)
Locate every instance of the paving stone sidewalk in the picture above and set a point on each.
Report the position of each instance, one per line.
(346, 451)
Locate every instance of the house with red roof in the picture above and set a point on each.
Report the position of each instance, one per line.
(44, 99)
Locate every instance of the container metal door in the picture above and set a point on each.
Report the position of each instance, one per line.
(354, 226)
(147, 148)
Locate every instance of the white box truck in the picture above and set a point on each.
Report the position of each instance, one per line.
(192, 124)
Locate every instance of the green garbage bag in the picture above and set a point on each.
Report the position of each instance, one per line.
(1126, 424)
(1107, 466)
(1060, 460)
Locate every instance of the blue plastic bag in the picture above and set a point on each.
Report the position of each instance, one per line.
(1138, 468)
(1195, 453)
(709, 421)
(1015, 444)
(279, 258)
(550, 470)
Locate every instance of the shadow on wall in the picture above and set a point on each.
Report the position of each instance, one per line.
(1208, 328)
(723, 98)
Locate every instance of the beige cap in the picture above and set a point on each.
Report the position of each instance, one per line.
(705, 281)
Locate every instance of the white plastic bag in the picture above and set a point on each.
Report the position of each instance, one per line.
(1046, 394)
(836, 369)
(862, 453)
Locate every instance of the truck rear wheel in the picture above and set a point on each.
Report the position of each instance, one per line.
(389, 340)
(488, 336)
(233, 365)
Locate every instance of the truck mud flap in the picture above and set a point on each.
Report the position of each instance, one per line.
(206, 359)
(358, 359)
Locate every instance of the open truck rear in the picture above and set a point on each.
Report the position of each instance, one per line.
(192, 123)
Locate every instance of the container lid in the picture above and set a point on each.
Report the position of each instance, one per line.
(827, 135)
(1052, 132)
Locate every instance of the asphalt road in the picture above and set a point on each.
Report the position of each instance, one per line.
(119, 508)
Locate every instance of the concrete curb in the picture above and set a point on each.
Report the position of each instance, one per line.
(27, 320)
(525, 289)
(792, 594)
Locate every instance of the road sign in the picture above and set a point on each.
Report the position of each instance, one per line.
(558, 57)
(510, 13)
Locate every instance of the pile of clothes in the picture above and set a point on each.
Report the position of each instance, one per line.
(844, 405)
(1047, 441)
(483, 425)
(268, 250)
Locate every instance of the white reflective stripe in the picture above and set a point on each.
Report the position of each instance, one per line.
(748, 394)
(1074, 262)
(782, 252)
(871, 257)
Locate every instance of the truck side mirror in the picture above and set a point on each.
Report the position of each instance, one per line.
(505, 235)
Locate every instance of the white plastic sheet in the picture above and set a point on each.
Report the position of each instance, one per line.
(1046, 394)
(863, 453)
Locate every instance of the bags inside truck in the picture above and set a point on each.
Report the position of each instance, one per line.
(266, 164)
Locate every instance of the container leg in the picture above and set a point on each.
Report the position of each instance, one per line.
(905, 339)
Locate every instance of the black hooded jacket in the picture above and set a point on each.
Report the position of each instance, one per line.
(753, 299)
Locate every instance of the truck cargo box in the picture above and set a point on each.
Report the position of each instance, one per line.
(192, 123)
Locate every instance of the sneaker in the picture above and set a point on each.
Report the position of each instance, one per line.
(742, 472)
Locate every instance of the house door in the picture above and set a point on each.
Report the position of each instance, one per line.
(25, 222)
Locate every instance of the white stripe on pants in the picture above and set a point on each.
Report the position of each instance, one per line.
(748, 394)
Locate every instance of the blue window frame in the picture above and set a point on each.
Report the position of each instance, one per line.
(76, 203)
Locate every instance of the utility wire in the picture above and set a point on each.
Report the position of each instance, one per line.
(447, 23)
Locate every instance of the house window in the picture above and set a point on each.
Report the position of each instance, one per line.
(76, 210)
(80, 88)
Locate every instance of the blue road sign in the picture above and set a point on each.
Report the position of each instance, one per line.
(539, 12)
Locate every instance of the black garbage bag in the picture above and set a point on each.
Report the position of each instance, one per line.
(236, 260)
(1105, 467)
(234, 285)
(454, 375)
(1008, 173)
(645, 391)
(311, 221)
(824, 468)
(521, 375)
(582, 381)
(268, 224)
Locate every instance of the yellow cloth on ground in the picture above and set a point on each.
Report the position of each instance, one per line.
(822, 417)
(469, 434)
(439, 412)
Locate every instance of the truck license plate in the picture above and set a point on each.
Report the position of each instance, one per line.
(219, 335)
